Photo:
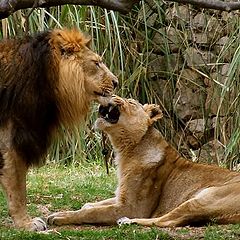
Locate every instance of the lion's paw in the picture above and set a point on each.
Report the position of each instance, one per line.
(37, 224)
(124, 221)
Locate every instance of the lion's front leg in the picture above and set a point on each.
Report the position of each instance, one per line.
(13, 180)
(106, 214)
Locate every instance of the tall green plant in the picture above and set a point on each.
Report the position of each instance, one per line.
(126, 43)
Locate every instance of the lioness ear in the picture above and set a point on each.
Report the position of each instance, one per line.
(88, 41)
(154, 112)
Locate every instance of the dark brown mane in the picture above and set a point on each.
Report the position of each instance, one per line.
(27, 98)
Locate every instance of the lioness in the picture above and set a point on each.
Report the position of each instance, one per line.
(155, 184)
(47, 81)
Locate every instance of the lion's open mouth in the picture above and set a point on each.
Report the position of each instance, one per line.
(99, 94)
(110, 113)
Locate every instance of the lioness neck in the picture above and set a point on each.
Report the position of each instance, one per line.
(148, 150)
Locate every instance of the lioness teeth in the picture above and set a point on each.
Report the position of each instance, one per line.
(110, 108)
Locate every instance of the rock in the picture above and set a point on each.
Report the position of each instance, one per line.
(201, 39)
(223, 128)
(219, 95)
(190, 78)
(165, 91)
(178, 14)
(218, 77)
(211, 152)
(163, 66)
(152, 19)
(213, 25)
(207, 29)
(197, 58)
(190, 96)
(229, 18)
(175, 38)
(224, 70)
(218, 102)
(224, 48)
(199, 22)
(189, 103)
(193, 142)
(200, 129)
(197, 125)
(171, 37)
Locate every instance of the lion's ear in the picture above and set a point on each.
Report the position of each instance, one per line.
(70, 40)
(154, 112)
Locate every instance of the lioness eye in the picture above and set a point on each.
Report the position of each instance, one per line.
(97, 64)
(132, 103)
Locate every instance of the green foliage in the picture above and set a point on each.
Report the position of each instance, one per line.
(130, 233)
(54, 188)
(126, 42)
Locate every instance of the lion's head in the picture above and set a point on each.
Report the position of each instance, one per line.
(126, 120)
(83, 77)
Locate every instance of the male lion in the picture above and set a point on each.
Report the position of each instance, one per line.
(156, 186)
(47, 80)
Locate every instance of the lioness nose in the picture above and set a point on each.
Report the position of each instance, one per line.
(115, 83)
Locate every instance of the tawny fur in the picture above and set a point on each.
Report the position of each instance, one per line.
(47, 80)
(156, 186)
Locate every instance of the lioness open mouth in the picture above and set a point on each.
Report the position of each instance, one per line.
(110, 113)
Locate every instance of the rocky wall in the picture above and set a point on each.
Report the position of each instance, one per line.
(189, 67)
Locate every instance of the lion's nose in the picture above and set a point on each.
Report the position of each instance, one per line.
(115, 83)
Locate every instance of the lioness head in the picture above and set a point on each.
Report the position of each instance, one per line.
(127, 118)
(83, 76)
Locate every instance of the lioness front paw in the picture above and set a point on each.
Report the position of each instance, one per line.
(124, 220)
(60, 218)
(117, 100)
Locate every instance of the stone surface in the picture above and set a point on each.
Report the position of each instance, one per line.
(189, 103)
(189, 73)
(197, 58)
(211, 152)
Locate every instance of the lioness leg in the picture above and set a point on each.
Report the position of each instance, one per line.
(177, 217)
(13, 180)
(218, 203)
(107, 214)
(105, 202)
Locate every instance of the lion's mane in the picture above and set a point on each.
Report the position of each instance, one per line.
(29, 104)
